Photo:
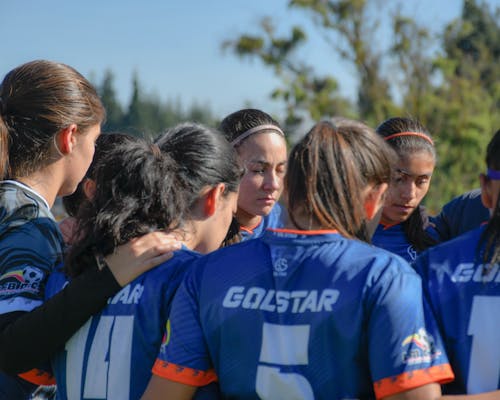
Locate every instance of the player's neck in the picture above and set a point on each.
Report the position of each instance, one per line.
(302, 221)
(247, 220)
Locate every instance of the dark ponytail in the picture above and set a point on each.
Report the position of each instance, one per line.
(204, 156)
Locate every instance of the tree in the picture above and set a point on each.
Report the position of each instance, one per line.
(464, 105)
(455, 92)
(305, 94)
(114, 112)
(146, 114)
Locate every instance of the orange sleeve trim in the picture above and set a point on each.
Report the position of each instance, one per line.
(38, 377)
(410, 380)
(187, 376)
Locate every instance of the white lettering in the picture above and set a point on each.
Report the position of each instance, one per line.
(282, 300)
(257, 298)
(328, 299)
(480, 273)
(128, 295)
(253, 298)
(233, 297)
(463, 272)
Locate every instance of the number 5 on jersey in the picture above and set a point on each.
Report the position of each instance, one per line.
(283, 345)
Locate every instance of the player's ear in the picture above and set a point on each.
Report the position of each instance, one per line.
(374, 200)
(212, 198)
(65, 139)
(486, 195)
(89, 188)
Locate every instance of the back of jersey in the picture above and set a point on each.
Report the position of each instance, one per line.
(464, 294)
(302, 316)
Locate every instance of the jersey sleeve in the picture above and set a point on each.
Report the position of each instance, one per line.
(183, 355)
(406, 351)
(28, 254)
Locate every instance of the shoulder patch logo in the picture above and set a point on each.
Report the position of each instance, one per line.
(419, 348)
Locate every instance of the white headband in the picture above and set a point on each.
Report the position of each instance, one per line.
(256, 129)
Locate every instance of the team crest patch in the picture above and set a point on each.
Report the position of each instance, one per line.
(25, 279)
(419, 348)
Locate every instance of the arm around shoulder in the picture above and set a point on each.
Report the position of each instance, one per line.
(54, 322)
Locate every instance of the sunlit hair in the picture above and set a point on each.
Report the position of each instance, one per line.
(204, 156)
(39, 99)
(137, 191)
(491, 234)
(237, 124)
(407, 145)
(328, 171)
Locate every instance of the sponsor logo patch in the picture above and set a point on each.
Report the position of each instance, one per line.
(419, 348)
(22, 280)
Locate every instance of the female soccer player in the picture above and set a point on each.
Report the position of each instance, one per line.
(462, 282)
(309, 311)
(190, 187)
(51, 116)
(261, 146)
(404, 227)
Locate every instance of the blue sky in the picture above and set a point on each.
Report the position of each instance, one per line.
(175, 46)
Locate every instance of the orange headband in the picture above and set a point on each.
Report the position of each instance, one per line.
(422, 135)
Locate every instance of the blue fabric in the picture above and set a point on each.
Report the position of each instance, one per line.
(465, 301)
(275, 219)
(462, 214)
(30, 246)
(394, 239)
(292, 315)
(112, 354)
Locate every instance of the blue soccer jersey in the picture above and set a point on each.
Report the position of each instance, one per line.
(301, 315)
(273, 220)
(461, 214)
(30, 246)
(393, 238)
(464, 296)
(111, 356)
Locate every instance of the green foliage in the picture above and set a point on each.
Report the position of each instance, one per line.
(452, 88)
(146, 115)
(304, 93)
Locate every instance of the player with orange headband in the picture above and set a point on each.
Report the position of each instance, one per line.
(404, 227)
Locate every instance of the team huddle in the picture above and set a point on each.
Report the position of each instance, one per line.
(214, 263)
